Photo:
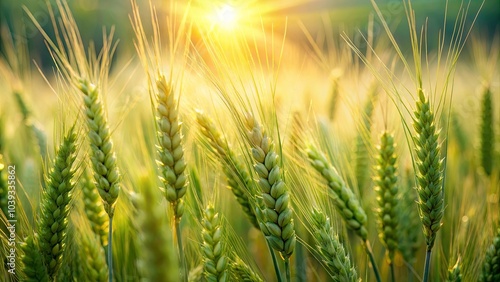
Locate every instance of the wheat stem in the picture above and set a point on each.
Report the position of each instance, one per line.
(275, 262)
(393, 274)
(287, 270)
(369, 251)
(427, 265)
(182, 260)
(110, 249)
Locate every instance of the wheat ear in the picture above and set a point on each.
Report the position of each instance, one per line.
(491, 264)
(34, 129)
(240, 271)
(487, 132)
(429, 169)
(213, 249)
(55, 205)
(106, 173)
(346, 203)
(95, 259)
(386, 187)
(429, 174)
(157, 262)
(409, 223)
(238, 178)
(171, 153)
(454, 274)
(74, 259)
(171, 157)
(362, 160)
(196, 274)
(33, 267)
(103, 158)
(331, 251)
(94, 209)
(277, 222)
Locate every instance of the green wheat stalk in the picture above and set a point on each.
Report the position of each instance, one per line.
(430, 173)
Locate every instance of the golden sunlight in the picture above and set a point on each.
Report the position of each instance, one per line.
(225, 17)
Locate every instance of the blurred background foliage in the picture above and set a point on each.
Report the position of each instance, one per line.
(341, 15)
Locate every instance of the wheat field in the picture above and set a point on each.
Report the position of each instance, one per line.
(250, 141)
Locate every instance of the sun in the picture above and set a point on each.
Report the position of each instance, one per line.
(226, 17)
